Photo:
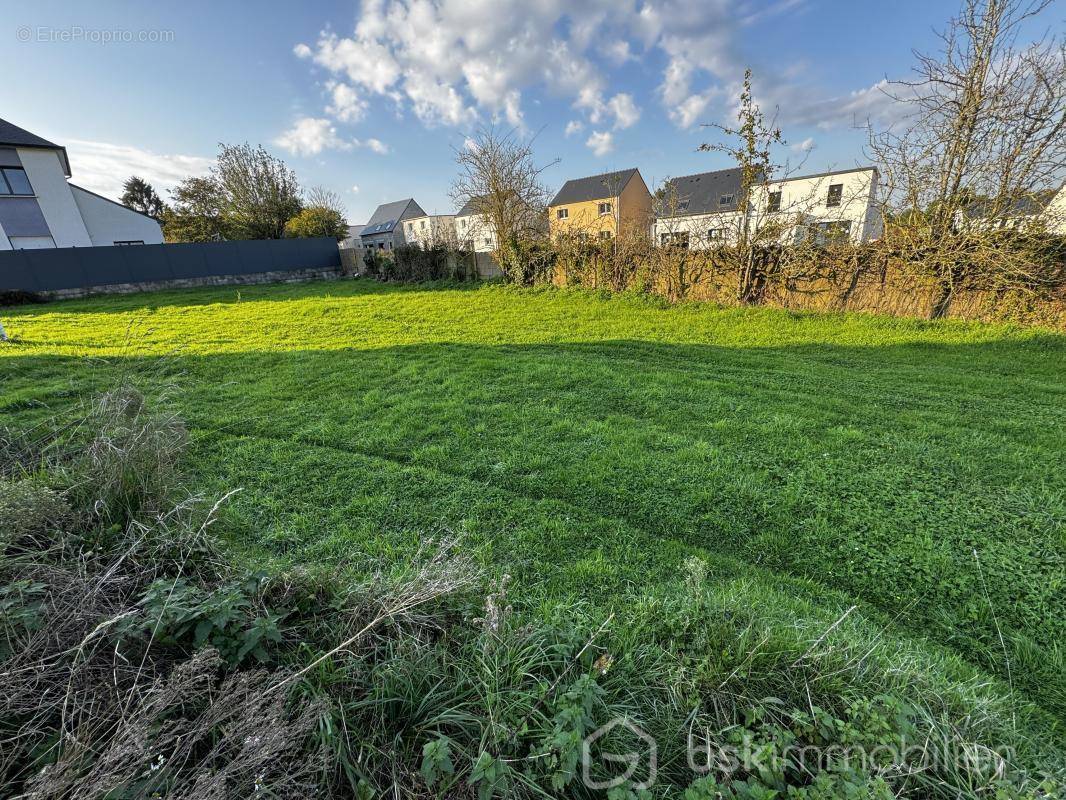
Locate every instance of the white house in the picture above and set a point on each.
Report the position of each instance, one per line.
(431, 229)
(474, 230)
(354, 239)
(384, 230)
(704, 210)
(1041, 211)
(39, 207)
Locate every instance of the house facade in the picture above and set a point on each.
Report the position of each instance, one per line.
(601, 206)
(353, 241)
(384, 230)
(40, 208)
(430, 230)
(706, 210)
(474, 230)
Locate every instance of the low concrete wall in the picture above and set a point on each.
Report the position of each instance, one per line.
(279, 276)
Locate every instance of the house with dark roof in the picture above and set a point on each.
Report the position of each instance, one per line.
(41, 208)
(384, 230)
(473, 229)
(708, 209)
(1038, 211)
(601, 206)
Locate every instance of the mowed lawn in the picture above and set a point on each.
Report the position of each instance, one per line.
(588, 445)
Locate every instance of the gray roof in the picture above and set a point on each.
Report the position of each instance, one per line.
(385, 216)
(703, 193)
(469, 207)
(594, 187)
(14, 136)
(1028, 205)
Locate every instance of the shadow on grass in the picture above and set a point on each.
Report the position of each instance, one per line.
(201, 296)
(593, 468)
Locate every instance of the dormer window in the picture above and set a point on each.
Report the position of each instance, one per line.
(725, 200)
(682, 205)
(13, 181)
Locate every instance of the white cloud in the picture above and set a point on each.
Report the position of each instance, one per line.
(625, 111)
(600, 142)
(310, 136)
(573, 127)
(102, 167)
(354, 189)
(376, 145)
(618, 52)
(454, 62)
(346, 104)
(803, 147)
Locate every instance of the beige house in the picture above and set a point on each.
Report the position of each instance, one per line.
(601, 206)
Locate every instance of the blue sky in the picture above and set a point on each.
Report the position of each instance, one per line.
(369, 99)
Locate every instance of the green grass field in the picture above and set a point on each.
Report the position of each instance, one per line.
(588, 445)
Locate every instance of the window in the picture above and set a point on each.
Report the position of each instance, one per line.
(831, 232)
(488, 242)
(773, 202)
(682, 205)
(726, 200)
(423, 224)
(605, 234)
(562, 213)
(128, 242)
(716, 235)
(605, 208)
(678, 239)
(14, 181)
(836, 192)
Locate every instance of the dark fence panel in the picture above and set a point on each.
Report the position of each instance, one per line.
(85, 267)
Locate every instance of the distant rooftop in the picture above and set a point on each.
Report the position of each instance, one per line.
(594, 187)
(385, 216)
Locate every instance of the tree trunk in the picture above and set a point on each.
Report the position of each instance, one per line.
(945, 292)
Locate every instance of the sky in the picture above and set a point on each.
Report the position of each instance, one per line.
(371, 99)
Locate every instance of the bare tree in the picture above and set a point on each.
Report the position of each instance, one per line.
(500, 180)
(751, 148)
(984, 136)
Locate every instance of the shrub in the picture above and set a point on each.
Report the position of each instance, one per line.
(130, 466)
(317, 221)
(30, 509)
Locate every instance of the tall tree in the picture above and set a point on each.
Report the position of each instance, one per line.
(322, 215)
(197, 214)
(750, 145)
(259, 193)
(985, 127)
(499, 179)
(139, 195)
